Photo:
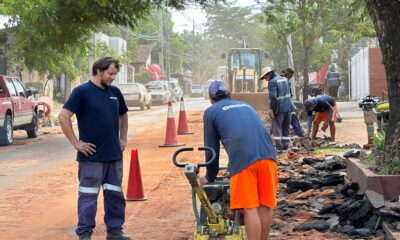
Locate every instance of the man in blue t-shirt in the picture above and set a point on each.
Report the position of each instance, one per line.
(326, 110)
(252, 166)
(103, 125)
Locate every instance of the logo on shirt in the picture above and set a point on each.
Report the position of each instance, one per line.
(114, 98)
(234, 106)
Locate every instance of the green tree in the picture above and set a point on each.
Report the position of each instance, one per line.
(142, 77)
(48, 31)
(317, 27)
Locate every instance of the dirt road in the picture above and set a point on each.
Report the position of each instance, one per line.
(38, 181)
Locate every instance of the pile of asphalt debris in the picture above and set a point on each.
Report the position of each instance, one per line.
(316, 191)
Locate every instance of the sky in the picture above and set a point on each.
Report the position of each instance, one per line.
(184, 19)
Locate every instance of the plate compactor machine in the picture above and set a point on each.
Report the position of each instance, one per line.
(216, 221)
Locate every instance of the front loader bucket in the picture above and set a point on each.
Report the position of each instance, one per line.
(259, 101)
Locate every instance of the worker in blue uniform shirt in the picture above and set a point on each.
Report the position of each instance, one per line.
(281, 107)
(252, 165)
(294, 120)
(326, 110)
(103, 124)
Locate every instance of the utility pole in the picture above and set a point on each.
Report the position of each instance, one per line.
(194, 56)
(160, 43)
(168, 47)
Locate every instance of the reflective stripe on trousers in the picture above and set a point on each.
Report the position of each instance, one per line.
(93, 175)
(280, 129)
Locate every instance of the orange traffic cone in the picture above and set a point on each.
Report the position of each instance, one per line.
(170, 136)
(135, 187)
(182, 124)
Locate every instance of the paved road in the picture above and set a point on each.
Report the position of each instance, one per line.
(28, 156)
(350, 110)
(19, 161)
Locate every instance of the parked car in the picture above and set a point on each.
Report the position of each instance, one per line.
(136, 95)
(159, 93)
(18, 110)
(197, 91)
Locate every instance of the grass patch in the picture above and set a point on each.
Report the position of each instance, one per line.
(330, 150)
(369, 161)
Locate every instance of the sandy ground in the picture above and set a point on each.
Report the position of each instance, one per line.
(44, 207)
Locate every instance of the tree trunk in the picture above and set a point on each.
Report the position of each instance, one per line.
(386, 18)
(309, 38)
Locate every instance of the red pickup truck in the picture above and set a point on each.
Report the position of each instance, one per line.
(18, 110)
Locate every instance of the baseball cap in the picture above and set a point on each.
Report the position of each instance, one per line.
(218, 89)
(309, 103)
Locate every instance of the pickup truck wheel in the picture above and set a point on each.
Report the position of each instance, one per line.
(6, 132)
(142, 106)
(33, 128)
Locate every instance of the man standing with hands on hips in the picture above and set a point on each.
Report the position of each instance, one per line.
(103, 125)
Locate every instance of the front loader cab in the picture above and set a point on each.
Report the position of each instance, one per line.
(244, 67)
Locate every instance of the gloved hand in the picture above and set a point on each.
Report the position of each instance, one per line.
(271, 114)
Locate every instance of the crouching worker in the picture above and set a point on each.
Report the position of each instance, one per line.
(326, 110)
(252, 165)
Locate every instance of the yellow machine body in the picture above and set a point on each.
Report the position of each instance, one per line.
(242, 75)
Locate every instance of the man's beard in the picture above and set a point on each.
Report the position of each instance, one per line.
(104, 83)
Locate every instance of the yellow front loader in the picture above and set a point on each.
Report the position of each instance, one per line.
(242, 75)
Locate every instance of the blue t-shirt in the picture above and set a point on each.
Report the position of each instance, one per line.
(97, 111)
(241, 132)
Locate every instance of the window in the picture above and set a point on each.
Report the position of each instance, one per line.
(10, 86)
(235, 60)
(20, 88)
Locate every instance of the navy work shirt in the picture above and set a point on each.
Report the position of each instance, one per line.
(280, 95)
(241, 132)
(324, 103)
(98, 111)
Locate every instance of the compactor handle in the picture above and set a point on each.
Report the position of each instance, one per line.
(188, 149)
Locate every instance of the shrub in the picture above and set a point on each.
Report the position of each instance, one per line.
(143, 77)
(377, 160)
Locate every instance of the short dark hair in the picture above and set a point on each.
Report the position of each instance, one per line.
(103, 64)
(288, 70)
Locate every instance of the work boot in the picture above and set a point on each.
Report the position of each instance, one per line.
(117, 235)
(85, 236)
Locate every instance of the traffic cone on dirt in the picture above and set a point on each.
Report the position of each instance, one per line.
(182, 124)
(170, 135)
(135, 187)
